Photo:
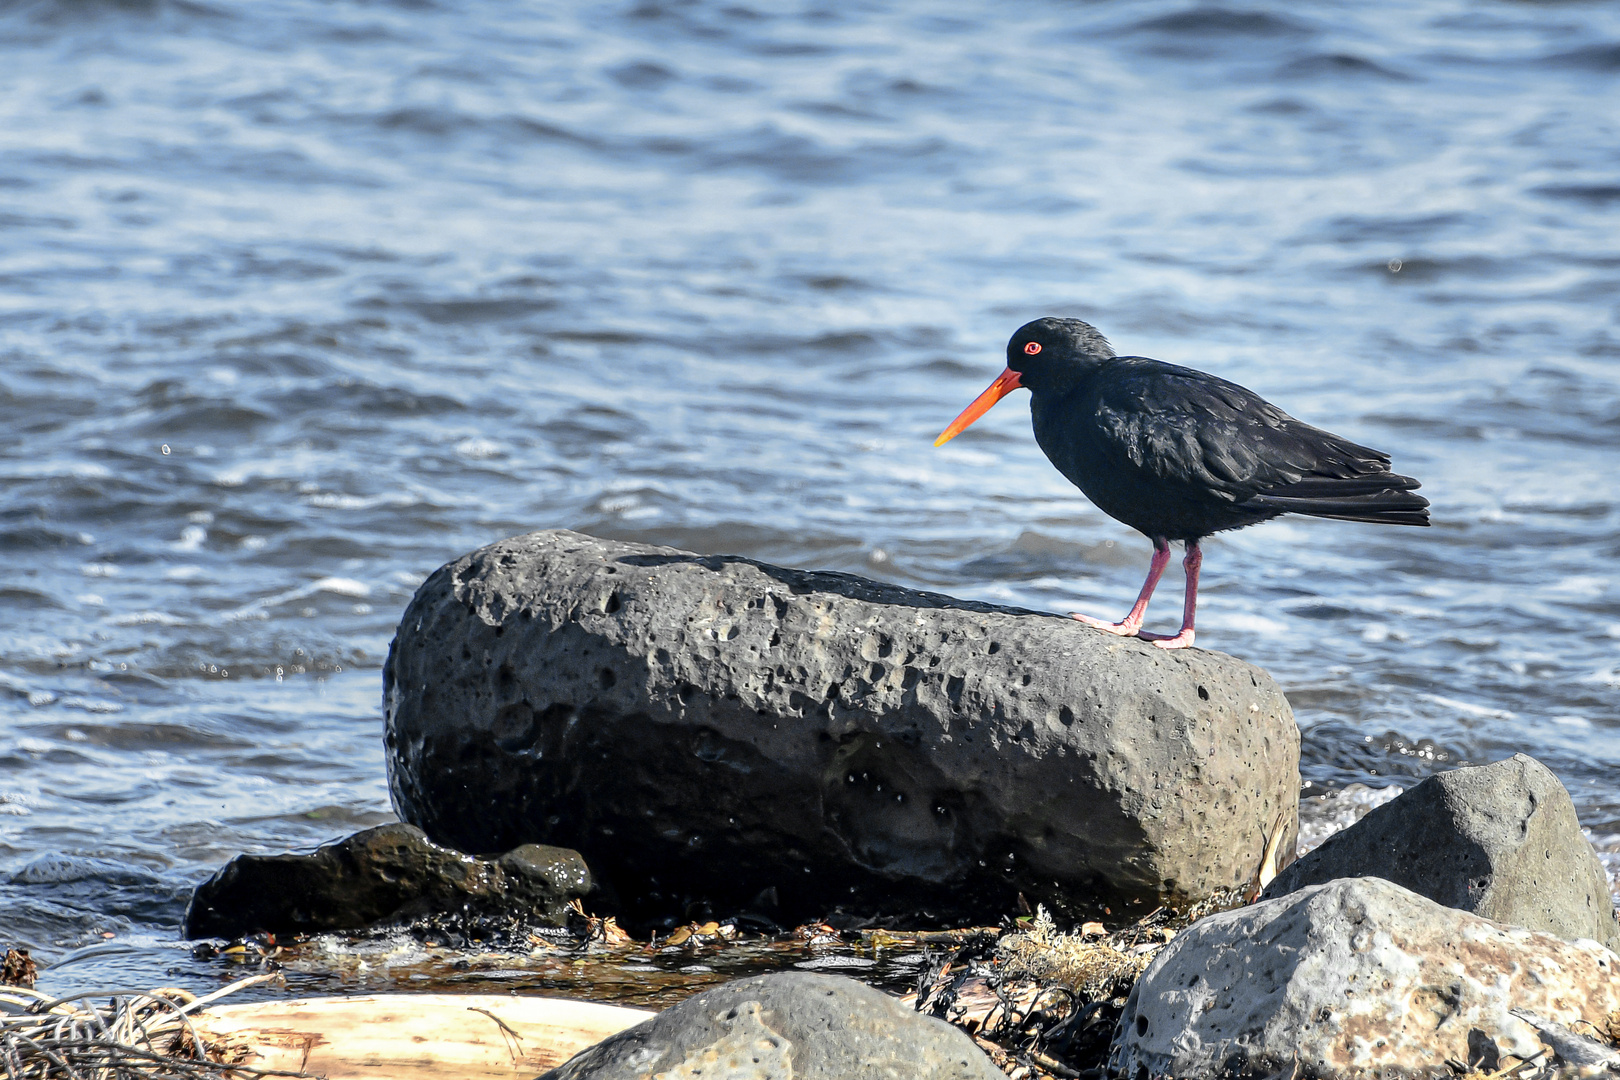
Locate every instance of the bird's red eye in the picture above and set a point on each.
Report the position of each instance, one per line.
(1032, 348)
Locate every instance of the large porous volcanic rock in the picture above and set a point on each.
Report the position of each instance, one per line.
(1357, 978)
(389, 875)
(1499, 840)
(714, 730)
(795, 1024)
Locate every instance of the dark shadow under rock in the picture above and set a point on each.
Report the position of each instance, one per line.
(1500, 840)
(389, 875)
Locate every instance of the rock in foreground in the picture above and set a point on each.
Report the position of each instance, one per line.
(1357, 978)
(797, 1024)
(1500, 840)
(390, 874)
(708, 729)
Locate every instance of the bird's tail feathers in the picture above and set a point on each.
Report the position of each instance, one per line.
(1390, 503)
(1339, 487)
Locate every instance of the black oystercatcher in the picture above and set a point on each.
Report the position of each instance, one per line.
(1179, 454)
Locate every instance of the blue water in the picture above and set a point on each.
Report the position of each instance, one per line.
(299, 301)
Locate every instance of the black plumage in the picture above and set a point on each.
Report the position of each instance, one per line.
(1180, 454)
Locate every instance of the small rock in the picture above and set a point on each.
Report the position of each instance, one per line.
(795, 1024)
(713, 732)
(1499, 840)
(387, 875)
(1354, 979)
(1572, 1048)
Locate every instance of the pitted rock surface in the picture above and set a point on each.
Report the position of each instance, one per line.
(791, 1026)
(709, 730)
(1500, 840)
(384, 876)
(1356, 979)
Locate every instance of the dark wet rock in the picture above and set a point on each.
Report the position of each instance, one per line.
(389, 875)
(1358, 978)
(717, 733)
(1499, 840)
(795, 1024)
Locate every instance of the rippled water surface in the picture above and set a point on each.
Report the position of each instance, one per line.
(300, 301)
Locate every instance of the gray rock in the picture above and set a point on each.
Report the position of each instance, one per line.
(1357, 978)
(1499, 840)
(1571, 1047)
(774, 1027)
(710, 730)
(388, 875)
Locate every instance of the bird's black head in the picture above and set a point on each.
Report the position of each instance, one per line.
(1049, 352)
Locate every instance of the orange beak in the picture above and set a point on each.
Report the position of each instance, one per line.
(1005, 384)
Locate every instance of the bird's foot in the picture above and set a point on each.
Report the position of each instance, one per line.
(1182, 640)
(1123, 629)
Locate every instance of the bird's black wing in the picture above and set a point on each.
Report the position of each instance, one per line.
(1215, 439)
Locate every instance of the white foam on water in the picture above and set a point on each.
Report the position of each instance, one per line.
(1469, 708)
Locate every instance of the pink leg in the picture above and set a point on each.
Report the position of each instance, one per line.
(1132, 623)
(1189, 603)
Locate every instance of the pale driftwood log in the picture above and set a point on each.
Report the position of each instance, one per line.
(413, 1036)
